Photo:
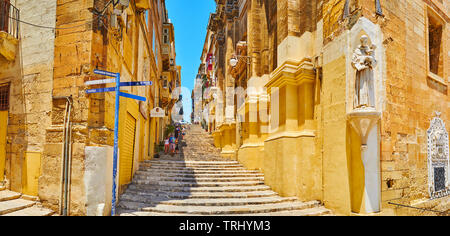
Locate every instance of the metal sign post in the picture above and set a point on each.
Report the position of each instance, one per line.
(119, 94)
(116, 144)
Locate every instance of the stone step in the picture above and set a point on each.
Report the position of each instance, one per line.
(198, 184)
(192, 168)
(2, 187)
(222, 189)
(31, 211)
(193, 162)
(14, 205)
(189, 166)
(141, 174)
(185, 171)
(126, 198)
(315, 211)
(220, 210)
(224, 162)
(7, 195)
(197, 179)
(202, 195)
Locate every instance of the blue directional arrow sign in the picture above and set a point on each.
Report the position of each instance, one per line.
(102, 81)
(100, 90)
(119, 94)
(135, 97)
(105, 73)
(140, 83)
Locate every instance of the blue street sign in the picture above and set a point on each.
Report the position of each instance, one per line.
(135, 97)
(102, 81)
(140, 83)
(119, 94)
(105, 73)
(100, 90)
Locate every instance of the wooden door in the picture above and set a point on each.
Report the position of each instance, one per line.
(4, 107)
(3, 127)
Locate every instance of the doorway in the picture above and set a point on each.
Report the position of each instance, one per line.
(4, 107)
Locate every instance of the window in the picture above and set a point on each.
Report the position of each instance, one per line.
(4, 97)
(435, 45)
(166, 36)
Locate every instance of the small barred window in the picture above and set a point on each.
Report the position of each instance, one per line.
(4, 97)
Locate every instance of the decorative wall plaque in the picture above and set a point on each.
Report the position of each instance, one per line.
(438, 159)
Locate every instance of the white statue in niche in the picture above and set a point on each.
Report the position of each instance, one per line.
(364, 62)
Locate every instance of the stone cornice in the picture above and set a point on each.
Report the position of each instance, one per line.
(292, 73)
(291, 134)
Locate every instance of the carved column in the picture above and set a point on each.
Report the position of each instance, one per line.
(290, 145)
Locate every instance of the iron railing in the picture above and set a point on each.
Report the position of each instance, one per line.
(9, 18)
(443, 213)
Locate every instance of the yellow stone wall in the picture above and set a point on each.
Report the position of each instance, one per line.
(412, 98)
(29, 73)
(336, 169)
(328, 166)
(77, 53)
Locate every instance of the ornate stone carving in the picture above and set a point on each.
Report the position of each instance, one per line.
(364, 62)
(438, 158)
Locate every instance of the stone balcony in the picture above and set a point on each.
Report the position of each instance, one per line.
(8, 46)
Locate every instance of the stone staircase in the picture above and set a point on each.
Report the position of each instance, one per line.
(16, 204)
(199, 182)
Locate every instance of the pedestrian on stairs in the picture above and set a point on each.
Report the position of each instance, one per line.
(172, 144)
(166, 146)
(177, 147)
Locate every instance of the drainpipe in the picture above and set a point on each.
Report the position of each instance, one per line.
(66, 161)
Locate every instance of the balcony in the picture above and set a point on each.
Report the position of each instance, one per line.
(166, 97)
(143, 4)
(9, 30)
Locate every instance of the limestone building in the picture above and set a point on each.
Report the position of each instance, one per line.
(342, 101)
(56, 140)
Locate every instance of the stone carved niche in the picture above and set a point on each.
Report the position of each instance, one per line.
(438, 159)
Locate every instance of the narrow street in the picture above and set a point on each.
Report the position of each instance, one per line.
(199, 182)
(284, 108)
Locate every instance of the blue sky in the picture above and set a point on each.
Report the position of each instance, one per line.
(190, 19)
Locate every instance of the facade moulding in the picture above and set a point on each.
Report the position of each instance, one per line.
(292, 73)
